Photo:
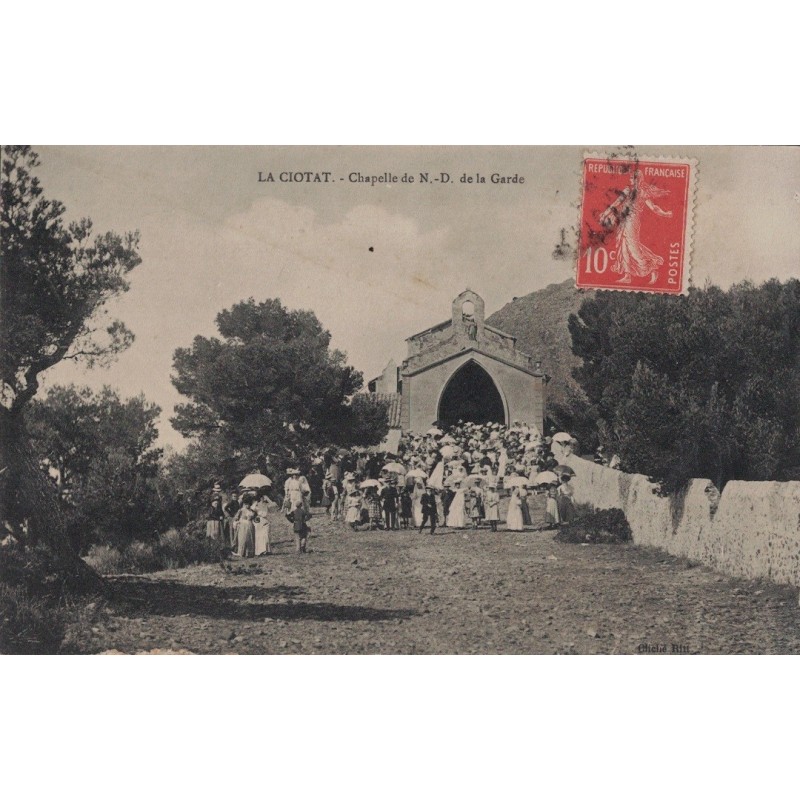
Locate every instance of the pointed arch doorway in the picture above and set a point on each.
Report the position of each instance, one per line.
(471, 396)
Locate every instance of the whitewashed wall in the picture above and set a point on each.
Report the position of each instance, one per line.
(754, 533)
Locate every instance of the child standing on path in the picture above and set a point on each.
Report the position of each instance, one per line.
(551, 517)
(405, 506)
(492, 507)
(299, 517)
(353, 508)
(476, 509)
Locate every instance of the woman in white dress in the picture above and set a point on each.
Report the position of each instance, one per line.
(502, 462)
(437, 476)
(353, 508)
(416, 503)
(456, 516)
(292, 489)
(262, 543)
(245, 530)
(514, 518)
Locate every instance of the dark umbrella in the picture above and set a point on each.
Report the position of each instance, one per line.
(563, 469)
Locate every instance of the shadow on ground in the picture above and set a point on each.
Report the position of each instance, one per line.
(137, 596)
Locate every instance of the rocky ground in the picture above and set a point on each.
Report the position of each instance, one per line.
(458, 592)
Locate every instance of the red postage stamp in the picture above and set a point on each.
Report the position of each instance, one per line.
(636, 224)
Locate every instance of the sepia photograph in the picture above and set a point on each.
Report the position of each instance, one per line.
(430, 372)
(398, 400)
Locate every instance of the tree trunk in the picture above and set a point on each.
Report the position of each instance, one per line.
(30, 507)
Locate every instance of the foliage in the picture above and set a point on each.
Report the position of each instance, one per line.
(181, 548)
(608, 526)
(264, 394)
(172, 550)
(33, 568)
(100, 450)
(576, 415)
(29, 625)
(54, 283)
(56, 279)
(37, 614)
(705, 385)
(106, 559)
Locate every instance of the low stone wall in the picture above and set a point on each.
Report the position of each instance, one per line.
(754, 532)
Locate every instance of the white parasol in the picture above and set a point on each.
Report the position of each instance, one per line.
(255, 480)
(545, 477)
(393, 466)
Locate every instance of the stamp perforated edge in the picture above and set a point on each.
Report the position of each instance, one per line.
(688, 233)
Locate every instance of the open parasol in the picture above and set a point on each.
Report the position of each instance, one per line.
(563, 469)
(544, 478)
(416, 473)
(370, 482)
(393, 466)
(434, 432)
(515, 480)
(255, 480)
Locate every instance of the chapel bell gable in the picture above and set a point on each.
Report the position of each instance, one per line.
(468, 315)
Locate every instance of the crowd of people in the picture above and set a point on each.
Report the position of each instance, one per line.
(241, 523)
(468, 476)
(455, 478)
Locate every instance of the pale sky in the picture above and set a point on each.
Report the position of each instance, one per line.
(212, 235)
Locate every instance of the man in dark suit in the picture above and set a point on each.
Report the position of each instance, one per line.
(447, 498)
(429, 513)
(389, 497)
(231, 508)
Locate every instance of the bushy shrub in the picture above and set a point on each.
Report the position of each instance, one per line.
(29, 625)
(34, 568)
(180, 548)
(105, 559)
(37, 613)
(608, 526)
(172, 550)
(141, 557)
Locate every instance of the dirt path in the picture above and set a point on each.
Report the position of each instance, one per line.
(459, 592)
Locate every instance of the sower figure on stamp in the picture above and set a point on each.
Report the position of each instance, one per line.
(429, 513)
(625, 213)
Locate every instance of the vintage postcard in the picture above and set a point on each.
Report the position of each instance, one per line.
(400, 400)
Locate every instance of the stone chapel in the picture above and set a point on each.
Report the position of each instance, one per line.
(462, 370)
